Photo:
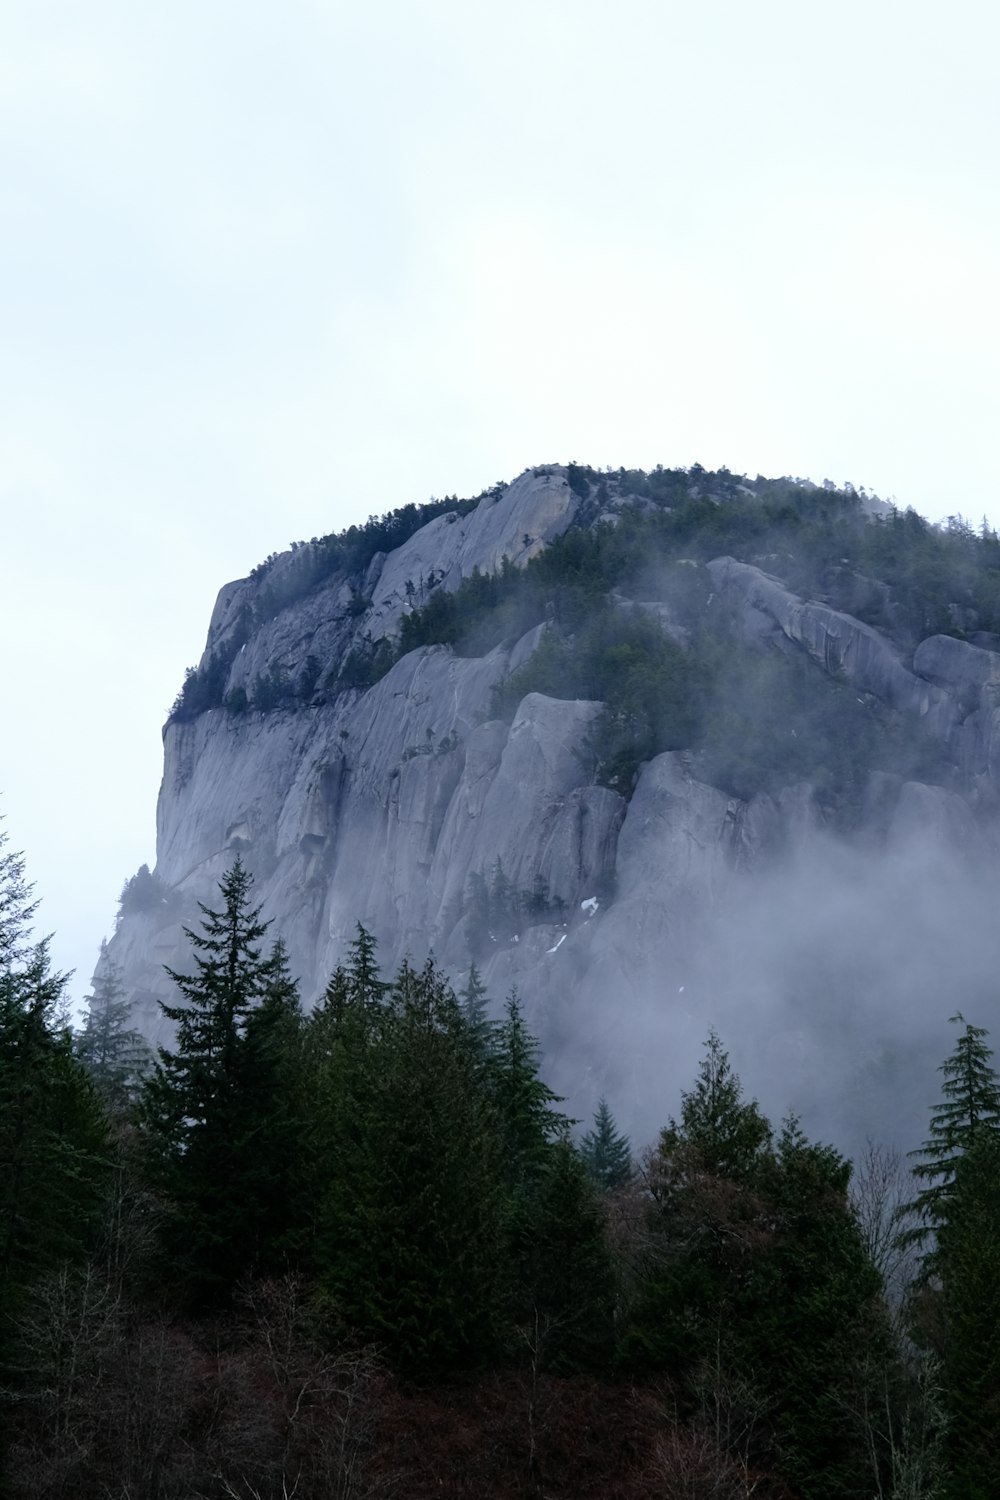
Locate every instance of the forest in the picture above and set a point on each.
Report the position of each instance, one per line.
(356, 1248)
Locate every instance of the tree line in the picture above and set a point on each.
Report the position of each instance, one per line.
(360, 1251)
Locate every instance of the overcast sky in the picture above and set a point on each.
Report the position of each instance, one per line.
(266, 269)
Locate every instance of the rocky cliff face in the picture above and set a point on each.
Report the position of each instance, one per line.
(383, 805)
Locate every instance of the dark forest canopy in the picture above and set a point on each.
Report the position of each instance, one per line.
(358, 1251)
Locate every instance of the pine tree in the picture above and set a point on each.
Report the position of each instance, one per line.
(810, 1302)
(114, 1054)
(756, 1292)
(474, 1000)
(955, 1308)
(967, 1263)
(405, 1170)
(727, 1136)
(368, 988)
(562, 1281)
(706, 1212)
(196, 1106)
(16, 906)
(605, 1152)
(969, 1107)
(54, 1154)
(272, 1116)
(523, 1102)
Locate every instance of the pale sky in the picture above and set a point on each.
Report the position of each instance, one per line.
(267, 269)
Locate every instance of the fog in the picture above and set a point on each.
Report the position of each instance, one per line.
(830, 976)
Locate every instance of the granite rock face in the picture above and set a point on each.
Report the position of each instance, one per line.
(382, 805)
(837, 642)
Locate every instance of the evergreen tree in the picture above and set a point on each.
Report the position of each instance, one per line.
(955, 1307)
(474, 1000)
(812, 1301)
(969, 1269)
(200, 1122)
(368, 988)
(757, 1289)
(605, 1152)
(726, 1135)
(968, 1265)
(272, 1116)
(969, 1107)
(523, 1102)
(16, 906)
(563, 1285)
(706, 1214)
(113, 1053)
(406, 1170)
(54, 1154)
(337, 1084)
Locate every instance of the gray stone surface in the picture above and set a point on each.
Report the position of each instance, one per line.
(378, 806)
(839, 643)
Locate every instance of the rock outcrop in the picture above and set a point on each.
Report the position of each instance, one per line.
(384, 805)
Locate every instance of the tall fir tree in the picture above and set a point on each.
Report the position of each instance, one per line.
(272, 1116)
(115, 1055)
(605, 1152)
(562, 1281)
(405, 1170)
(955, 1305)
(725, 1133)
(201, 1123)
(474, 1000)
(368, 988)
(524, 1103)
(55, 1158)
(967, 1265)
(969, 1106)
(756, 1287)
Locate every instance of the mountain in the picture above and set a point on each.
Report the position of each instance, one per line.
(662, 750)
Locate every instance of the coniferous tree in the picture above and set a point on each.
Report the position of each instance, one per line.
(198, 1117)
(406, 1169)
(563, 1284)
(524, 1103)
(368, 988)
(757, 1289)
(272, 1117)
(705, 1212)
(812, 1301)
(474, 1000)
(54, 1154)
(967, 1262)
(115, 1055)
(955, 1306)
(726, 1134)
(970, 1106)
(605, 1152)
(337, 1084)
(16, 906)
